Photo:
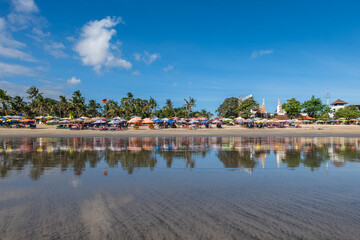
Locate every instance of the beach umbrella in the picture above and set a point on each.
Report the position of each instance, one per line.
(227, 119)
(64, 121)
(99, 121)
(52, 121)
(202, 119)
(165, 119)
(175, 118)
(148, 121)
(193, 121)
(247, 121)
(205, 121)
(182, 121)
(158, 120)
(135, 120)
(170, 121)
(216, 121)
(26, 120)
(114, 121)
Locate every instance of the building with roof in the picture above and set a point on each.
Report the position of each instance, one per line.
(336, 106)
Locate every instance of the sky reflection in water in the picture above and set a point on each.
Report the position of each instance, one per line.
(180, 188)
(39, 155)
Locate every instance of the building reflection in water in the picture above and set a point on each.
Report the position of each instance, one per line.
(40, 154)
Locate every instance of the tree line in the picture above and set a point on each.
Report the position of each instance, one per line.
(234, 107)
(77, 106)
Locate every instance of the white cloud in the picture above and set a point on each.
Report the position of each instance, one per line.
(137, 56)
(55, 49)
(150, 58)
(9, 47)
(26, 6)
(23, 15)
(94, 45)
(73, 81)
(136, 73)
(14, 69)
(260, 53)
(14, 53)
(168, 68)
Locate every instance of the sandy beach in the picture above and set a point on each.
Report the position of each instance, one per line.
(144, 131)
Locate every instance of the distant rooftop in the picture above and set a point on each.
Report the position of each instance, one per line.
(339, 101)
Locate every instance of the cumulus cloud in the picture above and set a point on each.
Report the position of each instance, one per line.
(168, 68)
(136, 73)
(260, 53)
(94, 46)
(14, 69)
(150, 58)
(73, 81)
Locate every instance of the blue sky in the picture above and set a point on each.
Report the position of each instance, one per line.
(209, 50)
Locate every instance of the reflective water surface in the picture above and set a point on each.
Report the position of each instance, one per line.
(180, 188)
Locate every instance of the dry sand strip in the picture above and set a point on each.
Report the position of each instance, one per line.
(305, 131)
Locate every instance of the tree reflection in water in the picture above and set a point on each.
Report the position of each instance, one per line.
(37, 155)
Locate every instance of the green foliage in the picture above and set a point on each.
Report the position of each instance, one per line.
(324, 114)
(229, 107)
(4, 100)
(313, 107)
(293, 108)
(245, 107)
(347, 112)
(76, 106)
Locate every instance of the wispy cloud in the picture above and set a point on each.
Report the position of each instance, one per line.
(168, 68)
(15, 69)
(150, 58)
(259, 53)
(136, 73)
(20, 89)
(147, 57)
(55, 49)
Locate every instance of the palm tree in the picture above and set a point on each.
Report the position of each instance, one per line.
(63, 105)
(93, 108)
(33, 92)
(112, 109)
(78, 103)
(17, 105)
(189, 104)
(168, 104)
(152, 105)
(4, 99)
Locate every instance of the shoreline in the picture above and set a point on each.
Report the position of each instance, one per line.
(227, 131)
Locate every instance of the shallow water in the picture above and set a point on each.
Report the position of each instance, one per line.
(180, 188)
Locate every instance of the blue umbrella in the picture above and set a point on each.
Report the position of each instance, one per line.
(158, 120)
(205, 121)
(170, 121)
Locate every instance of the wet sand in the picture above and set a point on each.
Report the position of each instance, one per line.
(144, 131)
(205, 202)
(182, 206)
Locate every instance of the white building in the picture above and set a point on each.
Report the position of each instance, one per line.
(336, 106)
